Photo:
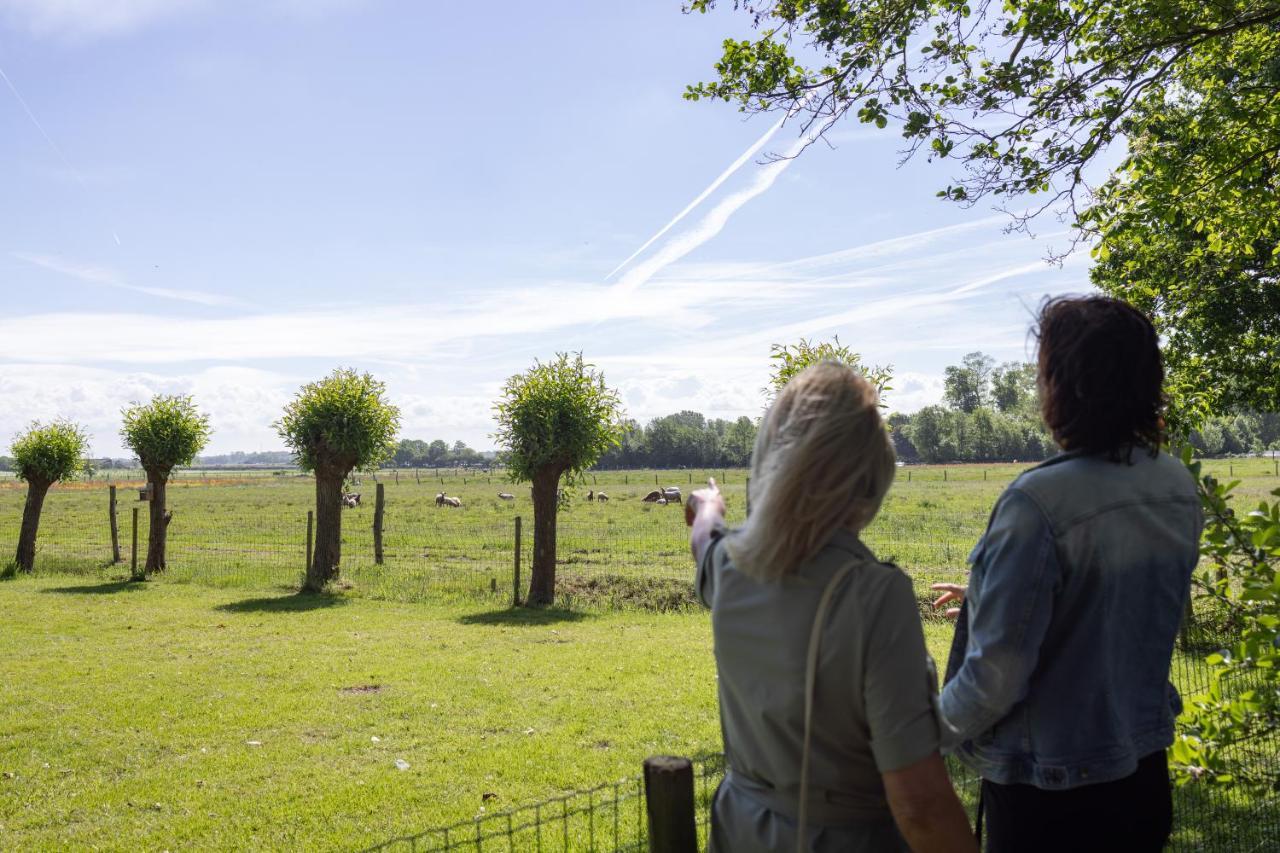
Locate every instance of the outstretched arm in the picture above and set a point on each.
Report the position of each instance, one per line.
(702, 512)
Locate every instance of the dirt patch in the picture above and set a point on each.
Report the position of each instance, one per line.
(658, 594)
(363, 688)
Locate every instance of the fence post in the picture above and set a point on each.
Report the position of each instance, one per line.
(944, 475)
(668, 798)
(397, 476)
(515, 576)
(133, 553)
(417, 478)
(310, 521)
(115, 525)
(748, 493)
(379, 506)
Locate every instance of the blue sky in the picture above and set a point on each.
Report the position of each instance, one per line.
(229, 199)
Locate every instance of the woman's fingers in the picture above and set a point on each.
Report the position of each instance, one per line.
(950, 592)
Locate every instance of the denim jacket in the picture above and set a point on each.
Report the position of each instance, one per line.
(1060, 672)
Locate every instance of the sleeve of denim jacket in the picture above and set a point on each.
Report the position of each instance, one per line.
(1014, 580)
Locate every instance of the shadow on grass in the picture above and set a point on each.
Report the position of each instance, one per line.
(108, 588)
(300, 602)
(526, 616)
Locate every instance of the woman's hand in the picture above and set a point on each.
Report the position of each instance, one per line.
(950, 592)
(702, 512)
(708, 498)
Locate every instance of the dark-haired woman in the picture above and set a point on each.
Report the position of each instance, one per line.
(1057, 689)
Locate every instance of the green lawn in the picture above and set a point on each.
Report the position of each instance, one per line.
(172, 716)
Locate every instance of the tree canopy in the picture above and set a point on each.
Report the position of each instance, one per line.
(1025, 95)
(342, 421)
(559, 414)
(166, 432)
(50, 453)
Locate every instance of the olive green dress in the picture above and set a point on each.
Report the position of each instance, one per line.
(874, 703)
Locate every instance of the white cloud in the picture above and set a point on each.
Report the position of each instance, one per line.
(79, 19)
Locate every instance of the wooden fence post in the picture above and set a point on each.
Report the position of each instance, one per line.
(397, 476)
(944, 475)
(310, 521)
(668, 799)
(417, 478)
(379, 507)
(515, 576)
(115, 525)
(133, 553)
(748, 492)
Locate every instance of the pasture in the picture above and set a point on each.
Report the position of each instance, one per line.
(250, 530)
(213, 709)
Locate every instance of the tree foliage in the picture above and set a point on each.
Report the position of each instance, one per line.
(559, 415)
(166, 432)
(50, 453)
(1219, 736)
(790, 359)
(967, 385)
(1217, 312)
(1025, 94)
(342, 421)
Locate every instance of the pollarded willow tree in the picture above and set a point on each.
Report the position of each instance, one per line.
(335, 426)
(555, 420)
(42, 456)
(167, 432)
(790, 359)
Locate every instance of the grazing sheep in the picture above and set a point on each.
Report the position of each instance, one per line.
(601, 497)
(351, 500)
(506, 496)
(654, 497)
(453, 502)
(591, 495)
(672, 494)
(168, 517)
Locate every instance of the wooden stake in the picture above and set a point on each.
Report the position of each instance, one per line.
(379, 506)
(115, 525)
(668, 797)
(515, 576)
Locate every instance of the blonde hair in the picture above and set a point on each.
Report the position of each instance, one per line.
(823, 461)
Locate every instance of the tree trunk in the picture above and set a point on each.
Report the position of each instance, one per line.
(542, 583)
(158, 533)
(328, 548)
(36, 490)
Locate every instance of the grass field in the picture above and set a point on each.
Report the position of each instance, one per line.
(162, 716)
(166, 716)
(250, 531)
(224, 712)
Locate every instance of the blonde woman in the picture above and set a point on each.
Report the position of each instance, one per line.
(827, 694)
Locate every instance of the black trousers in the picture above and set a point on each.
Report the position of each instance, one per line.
(1130, 814)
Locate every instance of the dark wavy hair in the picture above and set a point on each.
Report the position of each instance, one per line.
(1100, 375)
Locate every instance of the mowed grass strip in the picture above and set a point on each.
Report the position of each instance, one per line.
(161, 716)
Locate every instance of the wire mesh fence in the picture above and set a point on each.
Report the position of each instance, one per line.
(620, 553)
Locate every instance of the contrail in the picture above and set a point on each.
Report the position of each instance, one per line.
(724, 176)
(75, 173)
(47, 138)
(718, 216)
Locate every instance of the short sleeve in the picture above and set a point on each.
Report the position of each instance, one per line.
(704, 583)
(899, 683)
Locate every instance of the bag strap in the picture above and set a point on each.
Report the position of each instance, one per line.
(810, 681)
